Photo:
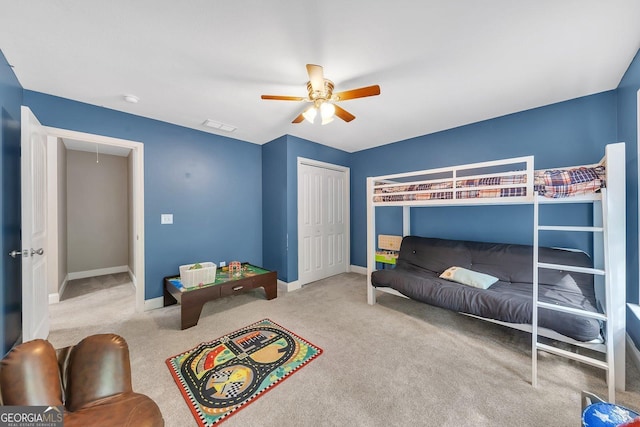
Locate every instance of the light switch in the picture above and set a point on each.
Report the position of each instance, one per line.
(166, 218)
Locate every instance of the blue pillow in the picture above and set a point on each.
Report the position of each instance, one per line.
(468, 277)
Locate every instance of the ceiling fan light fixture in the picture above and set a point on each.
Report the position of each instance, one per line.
(310, 114)
(321, 95)
(327, 110)
(327, 120)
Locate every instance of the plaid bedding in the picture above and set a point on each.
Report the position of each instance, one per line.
(497, 192)
(495, 180)
(448, 195)
(414, 187)
(444, 195)
(551, 183)
(557, 183)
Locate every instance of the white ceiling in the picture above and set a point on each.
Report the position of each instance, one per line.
(439, 63)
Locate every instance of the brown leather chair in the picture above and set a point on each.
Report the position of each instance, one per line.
(91, 379)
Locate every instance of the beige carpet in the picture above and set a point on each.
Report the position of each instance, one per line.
(78, 287)
(397, 363)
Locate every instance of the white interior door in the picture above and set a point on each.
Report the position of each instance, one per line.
(334, 230)
(35, 308)
(322, 222)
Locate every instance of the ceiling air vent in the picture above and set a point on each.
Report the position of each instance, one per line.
(217, 125)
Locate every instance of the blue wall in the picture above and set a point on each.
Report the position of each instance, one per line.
(568, 133)
(298, 147)
(211, 184)
(628, 132)
(274, 206)
(281, 203)
(11, 295)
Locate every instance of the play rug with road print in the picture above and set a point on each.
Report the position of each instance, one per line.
(219, 377)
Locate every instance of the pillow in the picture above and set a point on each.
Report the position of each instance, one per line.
(468, 277)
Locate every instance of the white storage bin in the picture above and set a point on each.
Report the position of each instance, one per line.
(200, 276)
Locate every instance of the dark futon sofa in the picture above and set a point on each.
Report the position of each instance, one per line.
(422, 260)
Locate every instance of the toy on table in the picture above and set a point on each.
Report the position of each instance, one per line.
(235, 268)
(198, 274)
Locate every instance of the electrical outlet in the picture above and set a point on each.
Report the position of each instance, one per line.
(166, 218)
(223, 263)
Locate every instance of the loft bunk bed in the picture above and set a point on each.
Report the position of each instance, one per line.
(514, 181)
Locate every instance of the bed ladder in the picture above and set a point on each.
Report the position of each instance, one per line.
(599, 232)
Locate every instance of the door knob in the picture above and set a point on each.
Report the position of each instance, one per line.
(37, 251)
(15, 253)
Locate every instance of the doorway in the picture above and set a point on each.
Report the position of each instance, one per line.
(60, 140)
(323, 220)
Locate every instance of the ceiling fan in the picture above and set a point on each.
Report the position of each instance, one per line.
(323, 99)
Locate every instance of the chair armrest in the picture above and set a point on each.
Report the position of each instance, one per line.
(29, 375)
(97, 367)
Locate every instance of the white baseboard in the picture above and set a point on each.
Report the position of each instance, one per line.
(98, 272)
(289, 287)
(633, 352)
(54, 298)
(132, 277)
(153, 303)
(64, 285)
(358, 269)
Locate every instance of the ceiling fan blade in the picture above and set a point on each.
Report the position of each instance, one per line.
(298, 119)
(357, 93)
(344, 114)
(316, 77)
(283, 98)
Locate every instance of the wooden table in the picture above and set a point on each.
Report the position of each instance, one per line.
(192, 299)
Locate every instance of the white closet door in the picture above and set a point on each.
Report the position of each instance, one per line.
(335, 227)
(321, 211)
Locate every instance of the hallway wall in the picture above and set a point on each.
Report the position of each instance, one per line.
(97, 211)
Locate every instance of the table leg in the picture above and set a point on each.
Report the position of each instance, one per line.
(271, 290)
(168, 298)
(190, 313)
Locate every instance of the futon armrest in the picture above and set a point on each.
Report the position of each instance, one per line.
(95, 368)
